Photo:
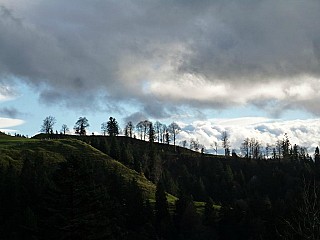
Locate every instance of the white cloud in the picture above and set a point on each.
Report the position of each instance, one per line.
(301, 132)
(10, 122)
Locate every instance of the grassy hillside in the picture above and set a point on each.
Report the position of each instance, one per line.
(55, 151)
(66, 189)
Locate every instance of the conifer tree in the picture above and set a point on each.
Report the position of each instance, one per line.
(112, 127)
(162, 215)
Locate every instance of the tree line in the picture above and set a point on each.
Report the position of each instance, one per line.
(143, 130)
(159, 132)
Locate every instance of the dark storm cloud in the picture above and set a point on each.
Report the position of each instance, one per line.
(119, 49)
(10, 112)
(135, 117)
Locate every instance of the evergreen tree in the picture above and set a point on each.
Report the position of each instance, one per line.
(114, 149)
(112, 127)
(163, 220)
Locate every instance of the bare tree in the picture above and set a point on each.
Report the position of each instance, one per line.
(151, 132)
(174, 129)
(254, 148)
(104, 128)
(143, 127)
(183, 143)
(215, 147)
(194, 144)
(225, 143)
(146, 127)
(64, 129)
(157, 129)
(245, 147)
(268, 150)
(139, 128)
(163, 133)
(47, 125)
(128, 130)
(279, 149)
(305, 223)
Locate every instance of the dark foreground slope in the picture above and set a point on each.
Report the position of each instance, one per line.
(66, 189)
(96, 187)
(275, 198)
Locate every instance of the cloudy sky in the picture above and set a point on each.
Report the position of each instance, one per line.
(250, 62)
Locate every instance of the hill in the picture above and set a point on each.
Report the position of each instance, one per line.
(100, 187)
(54, 188)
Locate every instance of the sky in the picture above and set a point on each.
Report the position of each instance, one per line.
(251, 67)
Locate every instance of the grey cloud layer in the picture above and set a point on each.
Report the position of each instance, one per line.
(117, 50)
(10, 112)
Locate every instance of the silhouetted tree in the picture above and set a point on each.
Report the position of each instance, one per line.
(140, 128)
(174, 130)
(225, 143)
(285, 145)
(81, 125)
(112, 127)
(194, 144)
(128, 131)
(104, 128)
(47, 125)
(146, 127)
(163, 133)
(245, 147)
(157, 129)
(64, 129)
(151, 133)
(317, 156)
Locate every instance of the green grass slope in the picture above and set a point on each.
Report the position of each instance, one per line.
(15, 150)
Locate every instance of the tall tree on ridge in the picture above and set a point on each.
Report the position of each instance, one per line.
(128, 131)
(143, 127)
(81, 125)
(151, 133)
(139, 128)
(157, 129)
(163, 133)
(112, 127)
(174, 129)
(64, 129)
(47, 126)
(225, 143)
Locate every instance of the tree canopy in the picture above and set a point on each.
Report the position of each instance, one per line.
(112, 127)
(48, 123)
(81, 125)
